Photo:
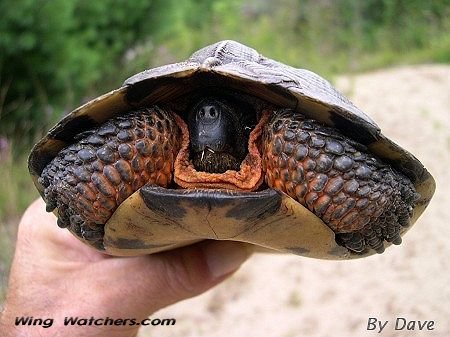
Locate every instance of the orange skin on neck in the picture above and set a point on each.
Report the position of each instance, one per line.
(248, 178)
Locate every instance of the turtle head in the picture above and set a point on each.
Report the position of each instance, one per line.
(218, 141)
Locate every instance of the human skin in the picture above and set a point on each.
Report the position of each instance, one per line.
(54, 275)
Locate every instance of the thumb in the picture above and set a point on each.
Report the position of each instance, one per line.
(165, 278)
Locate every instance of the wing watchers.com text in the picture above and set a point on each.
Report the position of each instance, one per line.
(92, 321)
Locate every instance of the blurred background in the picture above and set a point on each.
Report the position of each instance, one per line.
(55, 55)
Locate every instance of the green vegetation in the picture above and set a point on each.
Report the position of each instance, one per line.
(16, 191)
(56, 54)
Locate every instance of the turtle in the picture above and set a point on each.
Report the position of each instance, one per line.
(228, 145)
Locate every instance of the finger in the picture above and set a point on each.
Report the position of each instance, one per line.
(38, 234)
(151, 282)
(144, 284)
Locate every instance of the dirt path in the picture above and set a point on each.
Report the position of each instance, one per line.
(289, 296)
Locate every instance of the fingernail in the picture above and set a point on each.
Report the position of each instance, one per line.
(224, 257)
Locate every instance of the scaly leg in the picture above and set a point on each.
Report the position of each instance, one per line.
(89, 179)
(363, 200)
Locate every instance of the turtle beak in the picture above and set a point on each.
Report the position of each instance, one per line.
(217, 143)
(208, 128)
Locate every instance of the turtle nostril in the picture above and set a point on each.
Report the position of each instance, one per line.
(208, 113)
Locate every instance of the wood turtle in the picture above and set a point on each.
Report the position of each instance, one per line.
(229, 145)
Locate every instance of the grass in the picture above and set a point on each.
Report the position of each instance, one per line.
(7, 239)
(439, 52)
(17, 189)
(16, 193)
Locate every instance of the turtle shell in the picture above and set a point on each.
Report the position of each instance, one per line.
(155, 218)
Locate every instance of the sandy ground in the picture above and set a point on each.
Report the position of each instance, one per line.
(289, 296)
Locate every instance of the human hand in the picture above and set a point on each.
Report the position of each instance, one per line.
(54, 275)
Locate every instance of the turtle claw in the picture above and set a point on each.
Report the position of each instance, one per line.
(50, 206)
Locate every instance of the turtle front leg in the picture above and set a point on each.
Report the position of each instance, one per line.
(89, 179)
(363, 200)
